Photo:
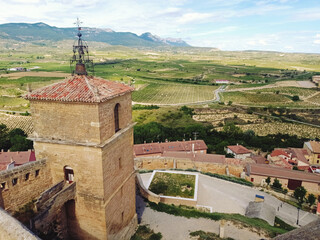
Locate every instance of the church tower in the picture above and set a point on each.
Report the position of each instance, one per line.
(83, 127)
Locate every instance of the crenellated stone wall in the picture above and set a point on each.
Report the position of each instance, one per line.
(23, 184)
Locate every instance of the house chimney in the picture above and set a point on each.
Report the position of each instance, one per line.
(166, 140)
(144, 142)
(8, 150)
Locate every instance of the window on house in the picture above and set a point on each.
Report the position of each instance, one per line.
(252, 179)
(122, 216)
(26, 177)
(68, 174)
(116, 117)
(317, 161)
(37, 172)
(14, 181)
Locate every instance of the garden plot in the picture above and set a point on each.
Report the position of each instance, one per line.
(174, 187)
(173, 93)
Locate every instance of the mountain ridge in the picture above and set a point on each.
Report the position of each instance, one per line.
(30, 32)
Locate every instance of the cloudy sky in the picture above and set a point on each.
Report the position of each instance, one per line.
(278, 25)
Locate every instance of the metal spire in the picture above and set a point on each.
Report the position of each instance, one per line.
(80, 54)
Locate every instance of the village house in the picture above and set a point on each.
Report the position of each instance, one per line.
(313, 148)
(9, 160)
(291, 179)
(289, 157)
(157, 149)
(239, 151)
(316, 80)
(222, 81)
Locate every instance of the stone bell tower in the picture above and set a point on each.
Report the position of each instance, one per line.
(83, 127)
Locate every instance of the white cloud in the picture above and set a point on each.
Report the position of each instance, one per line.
(194, 17)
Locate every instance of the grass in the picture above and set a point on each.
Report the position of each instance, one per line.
(145, 233)
(254, 98)
(207, 236)
(173, 184)
(188, 212)
(167, 116)
(13, 103)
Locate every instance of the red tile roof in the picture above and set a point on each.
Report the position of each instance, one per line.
(268, 171)
(19, 158)
(197, 157)
(239, 149)
(278, 152)
(315, 146)
(184, 146)
(147, 148)
(259, 159)
(80, 89)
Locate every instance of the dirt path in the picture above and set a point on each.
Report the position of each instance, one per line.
(17, 75)
(179, 228)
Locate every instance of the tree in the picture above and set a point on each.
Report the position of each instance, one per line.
(276, 184)
(311, 199)
(295, 98)
(299, 194)
(268, 181)
(4, 137)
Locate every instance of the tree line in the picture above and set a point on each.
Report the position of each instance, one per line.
(215, 140)
(14, 140)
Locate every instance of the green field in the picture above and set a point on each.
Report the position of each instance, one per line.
(173, 93)
(254, 98)
(166, 75)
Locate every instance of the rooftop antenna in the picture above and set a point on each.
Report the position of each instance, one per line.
(80, 55)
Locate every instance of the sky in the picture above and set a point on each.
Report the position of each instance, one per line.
(273, 25)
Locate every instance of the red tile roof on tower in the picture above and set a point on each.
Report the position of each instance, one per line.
(239, 149)
(80, 88)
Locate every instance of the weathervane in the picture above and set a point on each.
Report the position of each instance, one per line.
(80, 55)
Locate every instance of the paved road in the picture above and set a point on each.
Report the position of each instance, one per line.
(228, 197)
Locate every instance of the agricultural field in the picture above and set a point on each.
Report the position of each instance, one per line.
(173, 184)
(162, 75)
(261, 125)
(17, 121)
(285, 128)
(254, 98)
(173, 94)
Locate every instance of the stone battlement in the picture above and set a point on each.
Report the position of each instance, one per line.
(24, 183)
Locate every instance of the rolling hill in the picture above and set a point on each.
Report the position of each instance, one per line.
(27, 32)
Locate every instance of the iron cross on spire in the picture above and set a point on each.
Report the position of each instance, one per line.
(80, 54)
(78, 23)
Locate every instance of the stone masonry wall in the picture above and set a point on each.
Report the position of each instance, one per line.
(106, 115)
(80, 121)
(152, 163)
(23, 184)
